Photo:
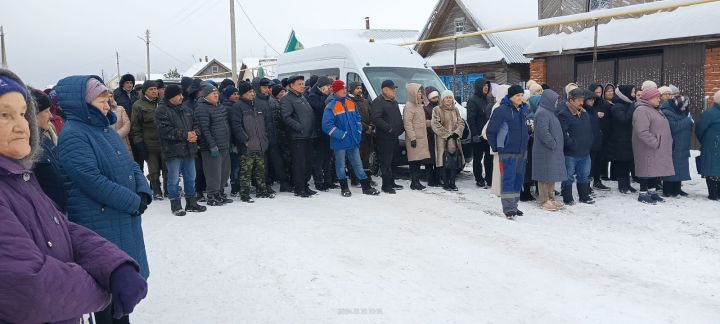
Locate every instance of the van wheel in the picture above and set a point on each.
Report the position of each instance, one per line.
(374, 164)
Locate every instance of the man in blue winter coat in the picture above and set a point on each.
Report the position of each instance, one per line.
(342, 122)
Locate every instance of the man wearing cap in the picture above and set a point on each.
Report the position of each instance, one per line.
(385, 114)
(342, 122)
(214, 143)
(178, 139)
(322, 164)
(507, 133)
(249, 125)
(126, 97)
(578, 138)
(299, 118)
(367, 146)
(161, 90)
(145, 136)
(275, 168)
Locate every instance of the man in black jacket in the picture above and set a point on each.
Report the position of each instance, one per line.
(385, 114)
(578, 136)
(300, 121)
(178, 135)
(477, 108)
(214, 143)
(126, 97)
(275, 168)
(322, 167)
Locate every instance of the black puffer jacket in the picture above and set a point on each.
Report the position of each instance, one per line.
(298, 116)
(385, 114)
(125, 99)
(318, 102)
(214, 126)
(477, 107)
(173, 124)
(621, 117)
(248, 122)
(269, 106)
(577, 131)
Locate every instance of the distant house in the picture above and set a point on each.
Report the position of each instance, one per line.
(306, 38)
(496, 57)
(679, 47)
(248, 68)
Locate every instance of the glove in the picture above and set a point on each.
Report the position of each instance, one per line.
(141, 151)
(413, 143)
(454, 136)
(145, 201)
(128, 288)
(215, 151)
(476, 139)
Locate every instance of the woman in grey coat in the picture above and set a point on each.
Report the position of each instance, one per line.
(547, 153)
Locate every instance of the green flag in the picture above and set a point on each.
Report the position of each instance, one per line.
(261, 72)
(293, 43)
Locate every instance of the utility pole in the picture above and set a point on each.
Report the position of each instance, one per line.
(117, 60)
(147, 52)
(102, 74)
(233, 51)
(2, 48)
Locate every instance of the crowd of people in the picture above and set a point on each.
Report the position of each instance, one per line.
(72, 157)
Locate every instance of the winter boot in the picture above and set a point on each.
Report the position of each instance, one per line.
(387, 185)
(432, 176)
(598, 185)
(415, 183)
(191, 206)
(712, 185)
(235, 189)
(645, 198)
(525, 195)
(451, 177)
(367, 188)
(201, 196)
(510, 215)
(224, 198)
(157, 196)
(584, 193)
(321, 187)
(669, 189)
(286, 187)
(344, 189)
(214, 200)
(567, 195)
(623, 184)
(302, 193)
(246, 198)
(655, 196)
(268, 193)
(176, 207)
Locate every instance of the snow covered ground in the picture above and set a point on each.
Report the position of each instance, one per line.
(435, 257)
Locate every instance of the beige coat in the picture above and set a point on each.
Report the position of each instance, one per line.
(445, 122)
(122, 126)
(415, 127)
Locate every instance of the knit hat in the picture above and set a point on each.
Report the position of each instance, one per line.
(514, 89)
(195, 86)
(228, 91)
(41, 99)
(338, 85)
(447, 93)
(431, 92)
(244, 87)
(716, 98)
(160, 83)
(323, 81)
(212, 82)
(648, 84)
(674, 90)
(208, 88)
(172, 91)
(311, 81)
(665, 89)
(570, 87)
(650, 93)
(225, 83)
(149, 84)
(276, 89)
(284, 82)
(93, 88)
(8, 85)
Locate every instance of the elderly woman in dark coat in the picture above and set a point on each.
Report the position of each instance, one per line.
(51, 270)
(620, 150)
(708, 133)
(547, 152)
(681, 124)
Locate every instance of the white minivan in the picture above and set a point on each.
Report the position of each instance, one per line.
(371, 64)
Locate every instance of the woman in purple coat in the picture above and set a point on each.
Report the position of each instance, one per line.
(51, 270)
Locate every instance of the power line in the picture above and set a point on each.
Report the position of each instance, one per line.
(255, 28)
(168, 54)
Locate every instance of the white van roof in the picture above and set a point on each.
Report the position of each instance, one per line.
(358, 55)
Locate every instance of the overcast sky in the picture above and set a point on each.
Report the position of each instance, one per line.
(48, 40)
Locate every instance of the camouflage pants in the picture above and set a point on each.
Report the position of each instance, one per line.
(252, 164)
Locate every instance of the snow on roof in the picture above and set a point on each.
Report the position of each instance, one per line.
(194, 69)
(495, 14)
(692, 21)
(249, 62)
(317, 37)
(466, 55)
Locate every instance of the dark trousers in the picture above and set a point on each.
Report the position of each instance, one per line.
(302, 153)
(217, 171)
(105, 317)
(155, 165)
(200, 185)
(275, 166)
(597, 164)
(386, 152)
(623, 168)
(482, 157)
(648, 184)
(322, 165)
(136, 154)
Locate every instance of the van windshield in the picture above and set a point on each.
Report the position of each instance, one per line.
(401, 77)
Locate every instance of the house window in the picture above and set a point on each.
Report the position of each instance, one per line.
(460, 25)
(215, 69)
(599, 4)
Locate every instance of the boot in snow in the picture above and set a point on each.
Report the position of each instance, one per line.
(567, 195)
(344, 189)
(584, 193)
(235, 189)
(176, 207)
(644, 198)
(368, 189)
(712, 189)
(655, 197)
(191, 206)
(214, 200)
(247, 199)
